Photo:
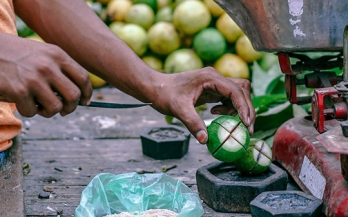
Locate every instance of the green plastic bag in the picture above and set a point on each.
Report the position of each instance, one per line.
(135, 193)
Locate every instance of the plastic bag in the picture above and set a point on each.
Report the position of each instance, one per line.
(131, 192)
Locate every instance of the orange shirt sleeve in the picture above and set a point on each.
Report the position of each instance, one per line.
(10, 125)
(7, 17)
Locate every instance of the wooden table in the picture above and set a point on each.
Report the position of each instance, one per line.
(65, 153)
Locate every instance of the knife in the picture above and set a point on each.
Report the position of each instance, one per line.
(114, 105)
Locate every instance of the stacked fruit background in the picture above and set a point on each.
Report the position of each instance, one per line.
(174, 36)
(180, 35)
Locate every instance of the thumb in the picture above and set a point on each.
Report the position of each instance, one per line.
(194, 124)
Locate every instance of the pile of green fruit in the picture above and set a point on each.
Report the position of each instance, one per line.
(174, 36)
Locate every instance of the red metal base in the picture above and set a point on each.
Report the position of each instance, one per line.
(315, 170)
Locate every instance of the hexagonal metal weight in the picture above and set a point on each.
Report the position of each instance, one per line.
(286, 203)
(165, 142)
(222, 187)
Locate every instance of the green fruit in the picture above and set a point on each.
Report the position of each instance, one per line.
(214, 8)
(163, 38)
(116, 26)
(246, 51)
(164, 14)
(151, 3)
(228, 138)
(182, 60)
(209, 44)
(163, 3)
(153, 62)
(135, 37)
(233, 66)
(140, 14)
(267, 61)
(257, 159)
(228, 28)
(117, 9)
(190, 17)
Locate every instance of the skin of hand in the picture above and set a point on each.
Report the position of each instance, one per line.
(32, 73)
(201, 86)
(75, 28)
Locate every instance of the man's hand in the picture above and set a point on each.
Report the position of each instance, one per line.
(178, 94)
(40, 78)
(104, 54)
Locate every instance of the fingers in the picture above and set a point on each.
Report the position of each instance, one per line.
(251, 117)
(228, 109)
(66, 84)
(27, 106)
(246, 86)
(69, 81)
(194, 123)
(238, 99)
(252, 113)
(57, 88)
(32, 73)
(48, 103)
(69, 94)
(41, 98)
(249, 122)
(80, 77)
(214, 87)
(62, 96)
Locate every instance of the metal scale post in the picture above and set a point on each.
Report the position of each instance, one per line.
(313, 149)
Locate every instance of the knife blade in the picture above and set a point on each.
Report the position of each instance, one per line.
(114, 105)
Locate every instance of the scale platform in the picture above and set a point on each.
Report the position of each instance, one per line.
(317, 171)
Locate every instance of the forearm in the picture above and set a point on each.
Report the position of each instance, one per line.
(76, 29)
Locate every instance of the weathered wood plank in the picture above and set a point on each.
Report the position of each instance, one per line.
(91, 123)
(121, 149)
(11, 186)
(87, 122)
(126, 156)
(56, 164)
(65, 153)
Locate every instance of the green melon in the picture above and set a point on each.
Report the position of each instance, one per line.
(209, 44)
(257, 159)
(228, 138)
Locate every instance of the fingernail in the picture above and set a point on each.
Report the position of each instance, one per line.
(251, 128)
(248, 120)
(88, 102)
(202, 136)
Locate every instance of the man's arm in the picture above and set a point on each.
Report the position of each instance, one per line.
(74, 27)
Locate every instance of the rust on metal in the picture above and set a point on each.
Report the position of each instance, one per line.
(294, 26)
(334, 141)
